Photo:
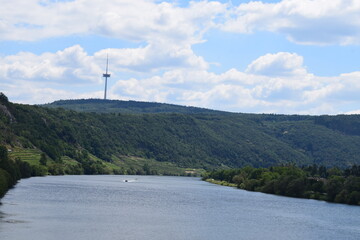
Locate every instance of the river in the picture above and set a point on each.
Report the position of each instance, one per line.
(168, 208)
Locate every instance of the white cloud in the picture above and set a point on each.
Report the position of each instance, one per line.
(272, 83)
(299, 92)
(165, 31)
(32, 19)
(307, 21)
(135, 89)
(279, 64)
(72, 65)
(34, 92)
(165, 67)
(153, 57)
(166, 24)
(137, 20)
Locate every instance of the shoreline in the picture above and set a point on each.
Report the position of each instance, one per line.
(233, 185)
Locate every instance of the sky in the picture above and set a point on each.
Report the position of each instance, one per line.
(270, 56)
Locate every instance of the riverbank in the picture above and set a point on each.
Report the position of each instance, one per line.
(11, 171)
(319, 183)
(222, 183)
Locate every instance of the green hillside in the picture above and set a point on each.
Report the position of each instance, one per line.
(156, 138)
(118, 106)
(327, 140)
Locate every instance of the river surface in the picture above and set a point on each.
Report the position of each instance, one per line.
(163, 208)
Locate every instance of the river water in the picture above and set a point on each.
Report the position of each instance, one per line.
(171, 208)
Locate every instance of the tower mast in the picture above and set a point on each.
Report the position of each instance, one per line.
(106, 75)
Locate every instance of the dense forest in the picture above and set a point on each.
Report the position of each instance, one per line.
(127, 137)
(234, 139)
(118, 106)
(315, 182)
(205, 139)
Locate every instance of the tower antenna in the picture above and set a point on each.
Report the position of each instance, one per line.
(106, 75)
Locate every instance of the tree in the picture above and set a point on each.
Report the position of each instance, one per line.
(354, 198)
(3, 153)
(296, 187)
(333, 187)
(43, 159)
(3, 98)
(146, 169)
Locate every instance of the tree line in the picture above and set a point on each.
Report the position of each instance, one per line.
(11, 171)
(313, 182)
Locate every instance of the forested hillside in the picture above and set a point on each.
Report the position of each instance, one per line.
(69, 141)
(325, 140)
(118, 106)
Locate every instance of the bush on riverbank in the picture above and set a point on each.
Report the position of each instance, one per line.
(4, 182)
(313, 182)
(11, 171)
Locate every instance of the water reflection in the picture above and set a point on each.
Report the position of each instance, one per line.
(151, 207)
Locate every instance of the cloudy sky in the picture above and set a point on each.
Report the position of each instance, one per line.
(270, 56)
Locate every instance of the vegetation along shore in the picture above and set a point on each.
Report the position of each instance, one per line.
(313, 182)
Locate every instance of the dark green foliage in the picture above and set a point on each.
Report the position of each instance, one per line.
(230, 139)
(348, 124)
(43, 159)
(117, 106)
(324, 146)
(3, 99)
(354, 171)
(9, 166)
(39, 170)
(194, 140)
(4, 182)
(11, 171)
(334, 187)
(185, 136)
(295, 182)
(24, 168)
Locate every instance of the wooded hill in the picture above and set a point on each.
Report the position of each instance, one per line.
(108, 136)
(117, 106)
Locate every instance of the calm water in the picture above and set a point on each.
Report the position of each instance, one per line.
(150, 207)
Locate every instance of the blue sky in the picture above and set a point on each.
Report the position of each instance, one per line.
(289, 56)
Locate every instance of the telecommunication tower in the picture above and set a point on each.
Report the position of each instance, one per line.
(106, 75)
